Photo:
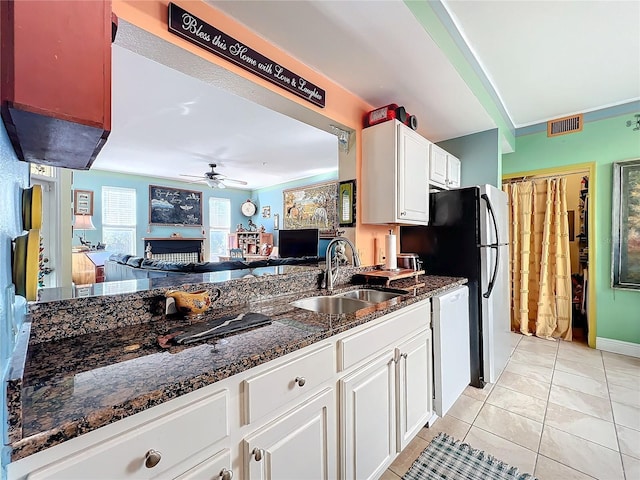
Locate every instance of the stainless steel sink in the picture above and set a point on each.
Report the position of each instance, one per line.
(370, 295)
(333, 305)
(347, 302)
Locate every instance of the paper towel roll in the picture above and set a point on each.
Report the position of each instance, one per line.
(391, 260)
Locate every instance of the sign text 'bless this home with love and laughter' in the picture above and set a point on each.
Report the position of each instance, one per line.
(193, 29)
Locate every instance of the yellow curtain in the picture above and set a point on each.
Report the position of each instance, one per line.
(539, 261)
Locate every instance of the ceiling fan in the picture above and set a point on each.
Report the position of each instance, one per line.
(214, 179)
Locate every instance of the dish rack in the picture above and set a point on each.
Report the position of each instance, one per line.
(390, 275)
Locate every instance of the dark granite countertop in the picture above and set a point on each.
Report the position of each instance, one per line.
(74, 385)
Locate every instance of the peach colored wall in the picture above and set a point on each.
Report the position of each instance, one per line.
(341, 105)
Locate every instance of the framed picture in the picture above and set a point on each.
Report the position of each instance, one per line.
(82, 202)
(625, 261)
(347, 203)
(312, 206)
(174, 206)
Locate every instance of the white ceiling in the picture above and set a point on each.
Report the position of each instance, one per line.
(549, 59)
(541, 60)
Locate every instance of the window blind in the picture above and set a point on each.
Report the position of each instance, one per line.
(118, 206)
(219, 213)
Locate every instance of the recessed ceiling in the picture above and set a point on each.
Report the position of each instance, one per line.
(536, 61)
(544, 59)
(375, 49)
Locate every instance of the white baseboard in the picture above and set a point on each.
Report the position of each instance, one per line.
(618, 346)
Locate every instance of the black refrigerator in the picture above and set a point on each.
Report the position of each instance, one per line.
(467, 236)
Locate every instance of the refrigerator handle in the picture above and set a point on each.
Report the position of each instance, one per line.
(485, 197)
(496, 245)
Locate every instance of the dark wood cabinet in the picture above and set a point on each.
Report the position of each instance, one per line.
(55, 74)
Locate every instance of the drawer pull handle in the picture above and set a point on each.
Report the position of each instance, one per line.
(226, 474)
(152, 458)
(301, 381)
(257, 454)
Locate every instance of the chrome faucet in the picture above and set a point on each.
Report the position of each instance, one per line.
(331, 273)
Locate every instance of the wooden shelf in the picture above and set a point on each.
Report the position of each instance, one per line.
(389, 275)
(250, 242)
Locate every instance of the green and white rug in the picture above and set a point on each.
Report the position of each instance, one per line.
(447, 458)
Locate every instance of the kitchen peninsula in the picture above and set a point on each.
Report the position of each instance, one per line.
(95, 394)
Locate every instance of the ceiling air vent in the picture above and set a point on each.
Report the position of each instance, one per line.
(562, 126)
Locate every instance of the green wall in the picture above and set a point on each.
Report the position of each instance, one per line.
(603, 142)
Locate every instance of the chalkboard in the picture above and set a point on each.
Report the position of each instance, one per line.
(173, 206)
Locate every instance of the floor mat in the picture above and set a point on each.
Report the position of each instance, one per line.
(447, 458)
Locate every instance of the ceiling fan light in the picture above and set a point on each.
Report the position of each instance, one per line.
(214, 183)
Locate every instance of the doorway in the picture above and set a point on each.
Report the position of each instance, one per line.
(579, 205)
(48, 232)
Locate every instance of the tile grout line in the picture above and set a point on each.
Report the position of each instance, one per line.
(613, 416)
(544, 417)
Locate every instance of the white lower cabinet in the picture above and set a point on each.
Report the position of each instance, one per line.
(299, 445)
(147, 450)
(386, 401)
(368, 417)
(415, 405)
(367, 390)
(217, 467)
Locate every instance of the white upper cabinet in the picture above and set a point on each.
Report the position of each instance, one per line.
(438, 166)
(395, 163)
(444, 168)
(453, 171)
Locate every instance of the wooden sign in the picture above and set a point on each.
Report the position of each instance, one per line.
(191, 28)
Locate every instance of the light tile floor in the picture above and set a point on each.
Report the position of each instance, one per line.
(560, 410)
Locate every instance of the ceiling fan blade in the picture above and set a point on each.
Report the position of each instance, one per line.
(192, 176)
(239, 182)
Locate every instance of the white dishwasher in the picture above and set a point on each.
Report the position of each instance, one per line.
(451, 352)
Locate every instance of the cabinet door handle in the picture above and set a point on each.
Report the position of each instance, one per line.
(403, 355)
(152, 458)
(301, 381)
(226, 474)
(257, 454)
(402, 214)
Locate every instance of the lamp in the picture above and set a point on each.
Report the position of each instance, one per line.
(84, 223)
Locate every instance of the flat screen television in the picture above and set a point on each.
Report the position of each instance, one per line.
(298, 243)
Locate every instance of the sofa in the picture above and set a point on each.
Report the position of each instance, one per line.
(127, 267)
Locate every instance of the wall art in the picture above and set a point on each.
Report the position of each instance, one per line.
(312, 206)
(174, 206)
(626, 225)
